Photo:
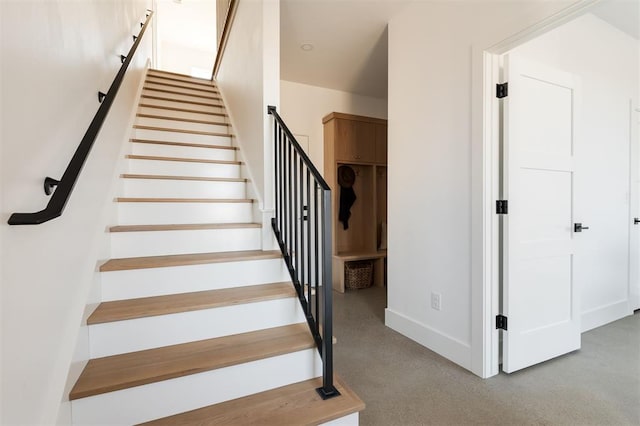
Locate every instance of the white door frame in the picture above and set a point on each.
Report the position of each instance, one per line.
(485, 174)
(634, 203)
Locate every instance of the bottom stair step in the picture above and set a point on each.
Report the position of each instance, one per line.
(298, 404)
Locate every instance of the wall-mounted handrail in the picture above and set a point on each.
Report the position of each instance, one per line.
(65, 186)
(302, 226)
(228, 21)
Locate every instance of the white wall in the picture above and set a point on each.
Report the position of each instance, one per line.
(186, 60)
(185, 35)
(56, 55)
(606, 61)
(249, 81)
(435, 168)
(303, 107)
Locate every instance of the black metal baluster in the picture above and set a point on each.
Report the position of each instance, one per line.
(282, 194)
(289, 207)
(285, 196)
(277, 167)
(294, 247)
(328, 390)
(303, 215)
(309, 266)
(317, 255)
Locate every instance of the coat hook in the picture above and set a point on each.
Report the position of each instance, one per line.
(135, 37)
(122, 58)
(101, 96)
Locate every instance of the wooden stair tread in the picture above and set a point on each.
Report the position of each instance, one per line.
(298, 404)
(152, 79)
(121, 310)
(169, 129)
(173, 92)
(182, 227)
(181, 200)
(162, 98)
(191, 111)
(123, 371)
(189, 144)
(169, 177)
(182, 159)
(185, 120)
(186, 259)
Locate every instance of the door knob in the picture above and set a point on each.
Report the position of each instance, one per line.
(636, 220)
(578, 227)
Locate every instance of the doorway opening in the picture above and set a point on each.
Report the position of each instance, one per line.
(563, 151)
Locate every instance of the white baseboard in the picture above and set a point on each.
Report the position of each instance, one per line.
(605, 314)
(446, 346)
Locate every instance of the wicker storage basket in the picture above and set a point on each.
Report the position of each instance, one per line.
(358, 274)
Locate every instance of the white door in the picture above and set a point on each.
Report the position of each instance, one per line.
(540, 298)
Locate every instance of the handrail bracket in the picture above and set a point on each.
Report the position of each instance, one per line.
(49, 184)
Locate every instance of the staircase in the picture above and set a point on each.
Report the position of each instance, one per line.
(197, 325)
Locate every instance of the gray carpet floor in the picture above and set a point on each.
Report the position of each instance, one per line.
(403, 383)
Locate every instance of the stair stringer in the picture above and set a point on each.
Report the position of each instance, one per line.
(81, 350)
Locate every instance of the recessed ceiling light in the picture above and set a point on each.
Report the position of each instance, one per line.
(307, 47)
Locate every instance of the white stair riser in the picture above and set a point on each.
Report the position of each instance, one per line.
(172, 78)
(169, 397)
(183, 213)
(167, 136)
(187, 89)
(160, 150)
(159, 243)
(163, 330)
(183, 114)
(178, 97)
(166, 188)
(177, 124)
(183, 168)
(135, 283)
(181, 105)
(348, 420)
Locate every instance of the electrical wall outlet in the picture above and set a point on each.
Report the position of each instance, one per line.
(436, 300)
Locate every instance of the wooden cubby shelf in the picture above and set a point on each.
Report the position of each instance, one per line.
(360, 143)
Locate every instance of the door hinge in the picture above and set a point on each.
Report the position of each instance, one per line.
(502, 206)
(501, 322)
(502, 90)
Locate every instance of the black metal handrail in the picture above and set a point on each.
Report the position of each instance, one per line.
(65, 186)
(302, 226)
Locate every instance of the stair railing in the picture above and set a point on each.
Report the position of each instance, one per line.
(65, 185)
(302, 226)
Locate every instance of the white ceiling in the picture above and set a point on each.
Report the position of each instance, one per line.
(623, 14)
(350, 40)
(349, 43)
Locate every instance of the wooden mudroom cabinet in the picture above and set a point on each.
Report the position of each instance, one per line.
(360, 143)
